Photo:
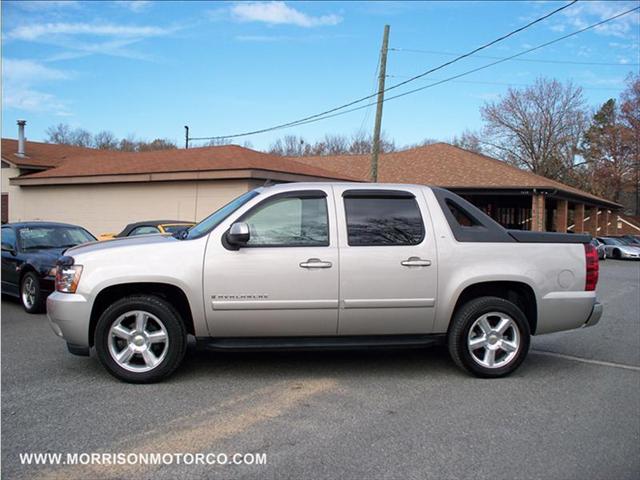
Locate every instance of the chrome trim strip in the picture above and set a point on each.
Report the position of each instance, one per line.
(273, 304)
(388, 303)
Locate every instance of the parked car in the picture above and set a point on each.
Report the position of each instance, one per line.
(618, 249)
(600, 247)
(149, 227)
(315, 265)
(29, 254)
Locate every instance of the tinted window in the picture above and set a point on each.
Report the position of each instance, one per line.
(36, 238)
(289, 221)
(144, 230)
(462, 217)
(9, 236)
(383, 221)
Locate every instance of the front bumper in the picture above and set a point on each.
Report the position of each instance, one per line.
(595, 316)
(630, 255)
(69, 316)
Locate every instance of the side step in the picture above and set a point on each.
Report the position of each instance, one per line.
(319, 343)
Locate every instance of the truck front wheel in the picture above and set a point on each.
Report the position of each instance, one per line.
(140, 339)
(489, 337)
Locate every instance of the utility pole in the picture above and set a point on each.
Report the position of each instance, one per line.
(186, 136)
(375, 151)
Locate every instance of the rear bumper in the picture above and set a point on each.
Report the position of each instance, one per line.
(594, 318)
(69, 316)
(559, 311)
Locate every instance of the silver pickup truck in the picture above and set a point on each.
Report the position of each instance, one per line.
(326, 265)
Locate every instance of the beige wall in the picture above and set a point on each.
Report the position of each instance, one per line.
(103, 208)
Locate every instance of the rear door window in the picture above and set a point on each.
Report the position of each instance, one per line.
(380, 220)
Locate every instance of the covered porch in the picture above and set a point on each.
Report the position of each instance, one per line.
(547, 210)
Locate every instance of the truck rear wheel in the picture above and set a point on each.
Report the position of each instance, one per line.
(489, 337)
(140, 339)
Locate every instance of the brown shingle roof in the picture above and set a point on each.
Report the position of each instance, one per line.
(228, 157)
(44, 155)
(443, 165)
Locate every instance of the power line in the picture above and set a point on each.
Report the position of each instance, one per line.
(397, 85)
(508, 84)
(469, 72)
(535, 60)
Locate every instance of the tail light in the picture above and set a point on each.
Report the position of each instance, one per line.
(591, 257)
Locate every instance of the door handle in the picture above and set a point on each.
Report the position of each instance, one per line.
(315, 263)
(415, 262)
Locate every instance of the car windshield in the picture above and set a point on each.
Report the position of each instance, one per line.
(176, 228)
(626, 241)
(38, 238)
(612, 241)
(213, 220)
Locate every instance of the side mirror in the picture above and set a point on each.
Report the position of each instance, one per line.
(7, 247)
(238, 234)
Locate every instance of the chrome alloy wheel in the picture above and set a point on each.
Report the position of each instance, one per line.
(29, 292)
(493, 340)
(138, 341)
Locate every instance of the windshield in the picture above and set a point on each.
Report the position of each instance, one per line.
(213, 220)
(611, 241)
(176, 228)
(38, 238)
(626, 241)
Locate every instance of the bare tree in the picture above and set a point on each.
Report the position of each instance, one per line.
(157, 144)
(105, 140)
(128, 144)
(537, 128)
(217, 142)
(468, 140)
(60, 133)
(82, 138)
(361, 142)
(335, 144)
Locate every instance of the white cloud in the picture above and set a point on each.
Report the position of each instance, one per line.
(29, 71)
(81, 39)
(19, 78)
(135, 6)
(38, 30)
(279, 13)
(583, 14)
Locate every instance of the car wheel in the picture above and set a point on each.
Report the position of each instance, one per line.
(31, 295)
(140, 339)
(616, 254)
(489, 337)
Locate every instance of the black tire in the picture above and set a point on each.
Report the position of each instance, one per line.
(617, 255)
(462, 322)
(32, 281)
(176, 333)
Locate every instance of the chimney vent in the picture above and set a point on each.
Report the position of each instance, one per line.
(21, 139)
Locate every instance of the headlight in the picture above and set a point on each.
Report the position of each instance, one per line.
(67, 278)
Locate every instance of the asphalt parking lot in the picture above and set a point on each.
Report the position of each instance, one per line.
(572, 411)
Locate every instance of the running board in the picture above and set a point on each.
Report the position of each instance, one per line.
(319, 343)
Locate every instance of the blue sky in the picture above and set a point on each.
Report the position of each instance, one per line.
(149, 68)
